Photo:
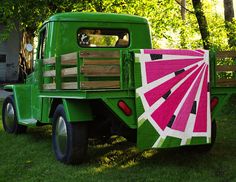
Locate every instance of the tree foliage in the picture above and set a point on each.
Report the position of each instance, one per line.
(168, 27)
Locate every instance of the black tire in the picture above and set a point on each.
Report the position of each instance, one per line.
(9, 117)
(213, 132)
(70, 140)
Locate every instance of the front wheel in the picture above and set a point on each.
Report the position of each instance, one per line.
(9, 118)
(70, 140)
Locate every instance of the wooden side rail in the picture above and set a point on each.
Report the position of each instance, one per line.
(223, 68)
(226, 82)
(225, 54)
(98, 70)
(69, 59)
(65, 85)
(69, 72)
(50, 73)
(99, 84)
(99, 54)
(51, 60)
(65, 61)
(100, 64)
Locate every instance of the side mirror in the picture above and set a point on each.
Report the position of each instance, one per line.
(29, 47)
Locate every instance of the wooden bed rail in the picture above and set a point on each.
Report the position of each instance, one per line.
(84, 70)
(226, 82)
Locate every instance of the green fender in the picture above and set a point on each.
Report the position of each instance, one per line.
(223, 100)
(77, 110)
(22, 98)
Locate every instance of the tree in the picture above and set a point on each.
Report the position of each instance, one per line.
(202, 22)
(229, 23)
(169, 27)
(229, 10)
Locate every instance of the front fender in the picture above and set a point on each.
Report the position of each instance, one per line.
(8, 88)
(22, 98)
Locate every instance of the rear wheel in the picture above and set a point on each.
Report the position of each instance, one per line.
(70, 140)
(9, 118)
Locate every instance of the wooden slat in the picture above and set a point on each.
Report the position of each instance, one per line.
(101, 62)
(99, 84)
(69, 59)
(99, 54)
(225, 54)
(69, 72)
(65, 85)
(100, 70)
(49, 86)
(51, 60)
(69, 62)
(51, 73)
(226, 68)
(226, 82)
(69, 85)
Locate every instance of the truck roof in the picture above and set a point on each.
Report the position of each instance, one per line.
(97, 17)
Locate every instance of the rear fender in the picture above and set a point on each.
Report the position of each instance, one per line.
(77, 110)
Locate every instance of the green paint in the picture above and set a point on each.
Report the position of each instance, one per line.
(58, 73)
(97, 17)
(147, 135)
(140, 122)
(160, 142)
(139, 106)
(138, 75)
(198, 140)
(188, 142)
(171, 142)
(77, 110)
(130, 121)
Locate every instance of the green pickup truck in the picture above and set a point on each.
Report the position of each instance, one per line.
(97, 75)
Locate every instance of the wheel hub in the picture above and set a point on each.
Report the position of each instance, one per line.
(61, 135)
(9, 116)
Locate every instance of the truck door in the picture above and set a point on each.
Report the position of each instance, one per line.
(172, 98)
(36, 100)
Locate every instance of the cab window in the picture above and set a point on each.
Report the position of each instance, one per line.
(103, 37)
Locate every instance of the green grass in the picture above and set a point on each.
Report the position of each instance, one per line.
(29, 157)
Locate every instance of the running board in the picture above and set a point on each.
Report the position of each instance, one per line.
(28, 122)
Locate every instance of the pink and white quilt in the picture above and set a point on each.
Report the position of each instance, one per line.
(174, 93)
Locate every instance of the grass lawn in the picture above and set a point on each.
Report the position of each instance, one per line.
(29, 157)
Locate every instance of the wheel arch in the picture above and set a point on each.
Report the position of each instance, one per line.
(54, 104)
(75, 109)
(21, 101)
(9, 88)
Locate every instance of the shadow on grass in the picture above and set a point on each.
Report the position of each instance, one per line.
(118, 152)
(116, 158)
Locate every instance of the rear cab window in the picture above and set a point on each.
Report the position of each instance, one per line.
(104, 37)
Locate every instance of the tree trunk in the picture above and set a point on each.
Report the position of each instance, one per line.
(183, 10)
(27, 38)
(229, 15)
(183, 28)
(229, 10)
(202, 23)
